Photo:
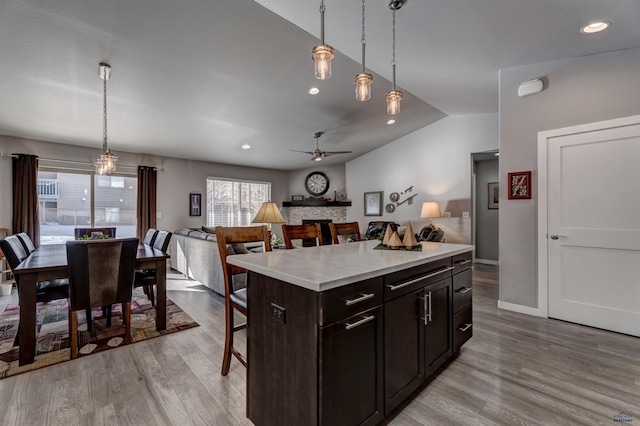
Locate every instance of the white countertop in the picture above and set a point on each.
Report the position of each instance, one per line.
(326, 267)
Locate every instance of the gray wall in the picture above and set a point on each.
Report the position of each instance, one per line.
(336, 175)
(436, 161)
(175, 181)
(578, 91)
(486, 218)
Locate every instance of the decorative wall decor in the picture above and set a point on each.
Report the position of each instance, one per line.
(493, 195)
(373, 203)
(519, 185)
(195, 202)
(395, 198)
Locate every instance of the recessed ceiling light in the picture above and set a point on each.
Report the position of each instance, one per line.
(595, 27)
(246, 146)
(391, 121)
(497, 154)
(314, 91)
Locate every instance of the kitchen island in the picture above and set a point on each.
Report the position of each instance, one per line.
(342, 334)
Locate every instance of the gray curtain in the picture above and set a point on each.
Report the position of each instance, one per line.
(146, 207)
(26, 216)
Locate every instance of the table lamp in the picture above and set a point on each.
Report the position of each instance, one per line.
(269, 213)
(430, 209)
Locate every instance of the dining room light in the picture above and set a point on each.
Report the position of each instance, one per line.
(394, 96)
(323, 54)
(107, 162)
(363, 80)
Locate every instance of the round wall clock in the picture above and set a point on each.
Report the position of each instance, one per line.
(316, 183)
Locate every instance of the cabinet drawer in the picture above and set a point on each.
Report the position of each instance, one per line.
(461, 262)
(462, 327)
(461, 290)
(348, 300)
(408, 280)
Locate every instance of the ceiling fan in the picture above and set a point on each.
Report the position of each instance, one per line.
(317, 154)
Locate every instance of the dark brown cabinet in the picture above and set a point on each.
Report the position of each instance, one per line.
(437, 327)
(351, 361)
(462, 308)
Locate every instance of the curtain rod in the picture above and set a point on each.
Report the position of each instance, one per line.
(77, 162)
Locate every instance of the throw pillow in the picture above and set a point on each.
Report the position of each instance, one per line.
(240, 248)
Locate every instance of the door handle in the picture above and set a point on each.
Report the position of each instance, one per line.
(556, 236)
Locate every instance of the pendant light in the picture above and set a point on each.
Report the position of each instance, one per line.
(394, 97)
(363, 80)
(322, 55)
(107, 162)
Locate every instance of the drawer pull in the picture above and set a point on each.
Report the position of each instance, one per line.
(464, 290)
(349, 325)
(362, 298)
(463, 262)
(433, 274)
(465, 327)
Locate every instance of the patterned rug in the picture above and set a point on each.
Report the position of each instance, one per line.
(52, 331)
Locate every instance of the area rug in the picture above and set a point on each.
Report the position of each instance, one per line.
(52, 331)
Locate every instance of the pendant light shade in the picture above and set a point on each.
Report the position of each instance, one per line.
(394, 96)
(107, 162)
(363, 80)
(322, 55)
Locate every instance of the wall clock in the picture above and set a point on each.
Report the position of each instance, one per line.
(316, 183)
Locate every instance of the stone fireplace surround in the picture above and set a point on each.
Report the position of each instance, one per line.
(295, 215)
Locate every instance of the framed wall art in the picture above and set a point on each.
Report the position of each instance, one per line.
(519, 185)
(373, 203)
(195, 203)
(494, 195)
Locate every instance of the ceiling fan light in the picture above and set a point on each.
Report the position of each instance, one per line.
(393, 99)
(317, 158)
(363, 83)
(322, 56)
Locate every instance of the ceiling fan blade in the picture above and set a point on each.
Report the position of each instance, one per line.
(304, 152)
(328, 153)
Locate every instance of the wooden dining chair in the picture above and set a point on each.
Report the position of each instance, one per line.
(235, 299)
(147, 278)
(351, 229)
(100, 274)
(296, 232)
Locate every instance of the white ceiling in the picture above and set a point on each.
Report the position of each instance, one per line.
(198, 79)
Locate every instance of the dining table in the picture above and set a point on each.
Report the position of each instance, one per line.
(49, 262)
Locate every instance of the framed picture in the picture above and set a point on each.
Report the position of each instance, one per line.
(195, 202)
(373, 203)
(519, 185)
(297, 198)
(493, 195)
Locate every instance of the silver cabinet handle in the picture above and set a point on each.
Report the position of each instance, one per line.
(350, 325)
(433, 274)
(429, 313)
(464, 290)
(464, 262)
(363, 297)
(425, 309)
(556, 236)
(465, 327)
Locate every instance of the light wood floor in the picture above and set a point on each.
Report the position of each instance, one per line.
(516, 369)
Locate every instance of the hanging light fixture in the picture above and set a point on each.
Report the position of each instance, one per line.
(363, 80)
(322, 55)
(107, 162)
(394, 97)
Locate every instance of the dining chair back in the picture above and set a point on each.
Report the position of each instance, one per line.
(150, 237)
(147, 278)
(100, 274)
(14, 251)
(296, 232)
(350, 229)
(235, 299)
(26, 242)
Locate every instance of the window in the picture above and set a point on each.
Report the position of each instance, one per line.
(69, 200)
(234, 203)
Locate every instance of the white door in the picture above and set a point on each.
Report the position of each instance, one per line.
(593, 228)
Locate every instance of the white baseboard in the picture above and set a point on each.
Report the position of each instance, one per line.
(518, 308)
(487, 261)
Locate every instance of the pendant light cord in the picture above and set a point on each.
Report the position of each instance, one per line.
(393, 62)
(322, 22)
(362, 40)
(104, 115)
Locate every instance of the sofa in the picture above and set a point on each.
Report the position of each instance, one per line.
(194, 253)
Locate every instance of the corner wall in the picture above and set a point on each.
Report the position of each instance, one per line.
(436, 161)
(577, 91)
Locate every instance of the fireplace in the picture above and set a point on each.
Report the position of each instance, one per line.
(324, 227)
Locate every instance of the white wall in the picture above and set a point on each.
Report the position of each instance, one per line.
(175, 181)
(577, 91)
(486, 218)
(436, 161)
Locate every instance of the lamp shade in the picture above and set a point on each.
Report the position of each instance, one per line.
(430, 209)
(269, 213)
